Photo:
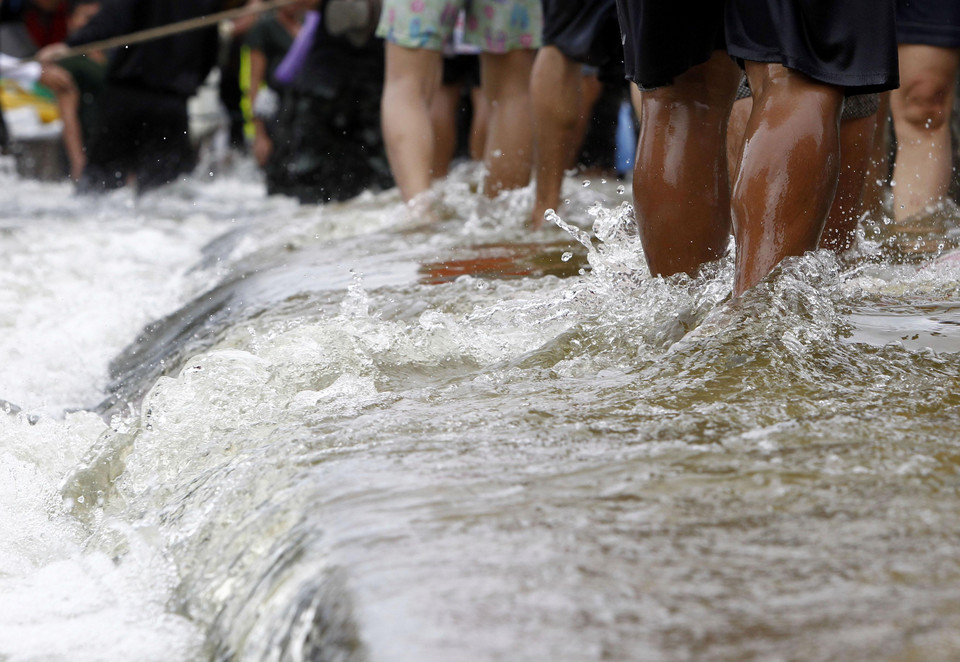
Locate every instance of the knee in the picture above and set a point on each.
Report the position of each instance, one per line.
(925, 103)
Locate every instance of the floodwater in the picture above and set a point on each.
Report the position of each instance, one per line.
(242, 429)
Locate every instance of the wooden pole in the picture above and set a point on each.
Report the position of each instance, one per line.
(173, 28)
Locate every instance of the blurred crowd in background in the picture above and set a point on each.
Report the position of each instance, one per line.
(335, 97)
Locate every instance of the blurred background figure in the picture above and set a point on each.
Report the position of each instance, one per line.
(143, 129)
(269, 40)
(507, 32)
(326, 143)
(231, 65)
(29, 25)
(928, 32)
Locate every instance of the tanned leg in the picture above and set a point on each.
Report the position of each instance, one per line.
(736, 130)
(411, 80)
(680, 177)
(921, 119)
(478, 126)
(509, 150)
(856, 150)
(68, 102)
(443, 114)
(556, 90)
(788, 171)
(878, 166)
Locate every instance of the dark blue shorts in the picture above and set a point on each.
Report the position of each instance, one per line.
(586, 31)
(847, 43)
(929, 22)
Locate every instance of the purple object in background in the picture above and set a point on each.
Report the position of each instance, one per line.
(293, 61)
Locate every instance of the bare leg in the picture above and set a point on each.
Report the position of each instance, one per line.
(636, 100)
(556, 90)
(65, 90)
(478, 127)
(879, 164)
(590, 90)
(680, 178)
(68, 101)
(412, 77)
(736, 130)
(443, 114)
(856, 149)
(509, 150)
(788, 172)
(921, 119)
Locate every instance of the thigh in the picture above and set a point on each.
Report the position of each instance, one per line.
(500, 26)
(424, 24)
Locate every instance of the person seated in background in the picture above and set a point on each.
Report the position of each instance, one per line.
(46, 21)
(508, 33)
(88, 71)
(143, 131)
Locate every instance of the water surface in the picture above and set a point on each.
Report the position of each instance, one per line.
(244, 429)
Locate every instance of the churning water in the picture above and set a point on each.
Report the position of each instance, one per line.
(241, 429)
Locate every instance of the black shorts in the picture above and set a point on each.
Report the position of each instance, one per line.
(586, 31)
(461, 70)
(848, 43)
(142, 132)
(929, 22)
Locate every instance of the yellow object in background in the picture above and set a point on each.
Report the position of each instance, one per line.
(13, 96)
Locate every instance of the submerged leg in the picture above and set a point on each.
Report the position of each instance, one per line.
(856, 150)
(921, 120)
(509, 150)
(680, 178)
(788, 171)
(412, 77)
(556, 91)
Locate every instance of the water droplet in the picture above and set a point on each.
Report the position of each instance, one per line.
(497, 153)
(621, 189)
(566, 201)
(586, 183)
(566, 256)
(603, 180)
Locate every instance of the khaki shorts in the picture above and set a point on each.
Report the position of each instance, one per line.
(494, 26)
